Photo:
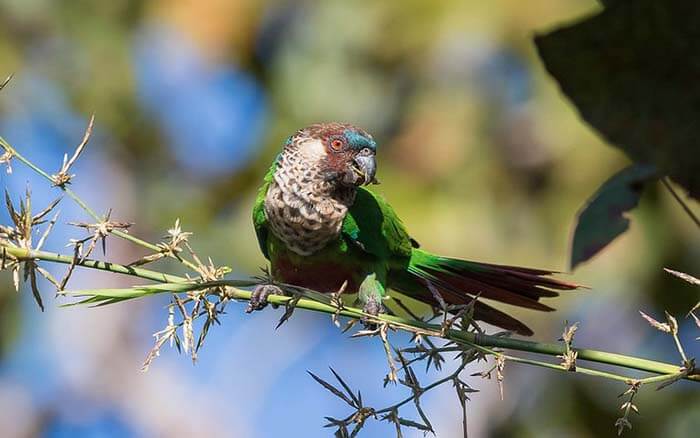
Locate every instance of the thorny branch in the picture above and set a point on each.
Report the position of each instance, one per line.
(623, 422)
(20, 235)
(451, 331)
(100, 231)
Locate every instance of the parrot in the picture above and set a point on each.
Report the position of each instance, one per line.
(322, 228)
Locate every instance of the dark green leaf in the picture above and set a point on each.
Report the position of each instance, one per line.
(36, 220)
(393, 417)
(31, 270)
(357, 429)
(602, 219)
(428, 426)
(335, 391)
(289, 308)
(415, 425)
(631, 71)
(342, 431)
(358, 401)
(203, 334)
(11, 209)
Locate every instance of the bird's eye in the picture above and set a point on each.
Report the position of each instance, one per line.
(337, 144)
(365, 151)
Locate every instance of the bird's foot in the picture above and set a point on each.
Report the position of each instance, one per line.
(258, 300)
(372, 307)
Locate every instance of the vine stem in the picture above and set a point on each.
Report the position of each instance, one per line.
(666, 370)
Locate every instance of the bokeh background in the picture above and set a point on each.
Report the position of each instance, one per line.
(479, 154)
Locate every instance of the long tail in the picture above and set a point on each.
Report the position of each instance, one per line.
(458, 281)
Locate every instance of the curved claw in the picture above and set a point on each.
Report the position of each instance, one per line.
(373, 307)
(258, 300)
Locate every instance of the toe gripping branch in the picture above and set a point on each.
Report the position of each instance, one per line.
(258, 299)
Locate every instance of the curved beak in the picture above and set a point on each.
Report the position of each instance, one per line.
(366, 166)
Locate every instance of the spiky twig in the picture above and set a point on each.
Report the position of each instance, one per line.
(623, 422)
(100, 231)
(569, 356)
(63, 177)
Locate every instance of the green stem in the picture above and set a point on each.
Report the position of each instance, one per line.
(661, 378)
(24, 254)
(679, 347)
(463, 337)
(580, 370)
(583, 354)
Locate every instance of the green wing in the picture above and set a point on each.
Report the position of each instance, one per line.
(259, 219)
(373, 225)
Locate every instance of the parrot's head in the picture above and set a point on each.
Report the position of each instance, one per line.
(342, 153)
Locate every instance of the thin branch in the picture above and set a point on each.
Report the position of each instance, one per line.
(680, 200)
(6, 81)
(23, 254)
(173, 283)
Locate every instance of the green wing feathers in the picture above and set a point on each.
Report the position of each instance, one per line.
(259, 219)
(372, 224)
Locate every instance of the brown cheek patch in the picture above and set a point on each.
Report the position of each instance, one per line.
(336, 162)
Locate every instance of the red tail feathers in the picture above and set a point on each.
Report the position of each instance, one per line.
(458, 281)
